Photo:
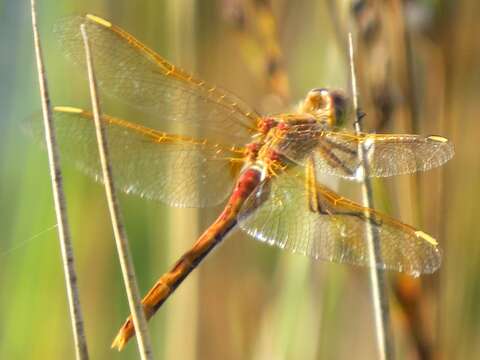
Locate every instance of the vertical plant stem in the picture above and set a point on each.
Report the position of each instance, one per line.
(182, 336)
(377, 276)
(81, 349)
(126, 263)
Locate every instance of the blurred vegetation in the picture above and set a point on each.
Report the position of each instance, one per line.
(247, 301)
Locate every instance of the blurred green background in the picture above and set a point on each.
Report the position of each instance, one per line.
(247, 300)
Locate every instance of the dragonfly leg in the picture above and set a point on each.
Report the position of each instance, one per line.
(318, 204)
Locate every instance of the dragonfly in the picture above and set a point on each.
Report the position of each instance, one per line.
(266, 169)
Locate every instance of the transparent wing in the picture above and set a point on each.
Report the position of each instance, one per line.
(127, 69)
(177, 170)
(336, 153)
(290, 212)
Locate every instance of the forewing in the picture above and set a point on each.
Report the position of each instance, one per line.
(177, 170)
(286, 212)
(336, 153)
(127, 69)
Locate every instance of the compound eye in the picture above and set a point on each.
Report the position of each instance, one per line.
(340, 106)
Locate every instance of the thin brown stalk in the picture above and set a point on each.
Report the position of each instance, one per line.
(81, 349)
(377, 276)
(384, 68)
(126, 263)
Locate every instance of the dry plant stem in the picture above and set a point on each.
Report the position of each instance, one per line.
(76, 317)
(126, 263)
(377, 276)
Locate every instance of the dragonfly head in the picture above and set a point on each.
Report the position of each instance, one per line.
(327, 106)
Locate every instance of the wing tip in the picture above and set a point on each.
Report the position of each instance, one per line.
(68, 109)
(99, 20)
(448, 146)
(438, 138)
(426, 237)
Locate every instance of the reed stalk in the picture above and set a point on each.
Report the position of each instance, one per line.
(76, 317)
(121, 240)
(377, 276)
